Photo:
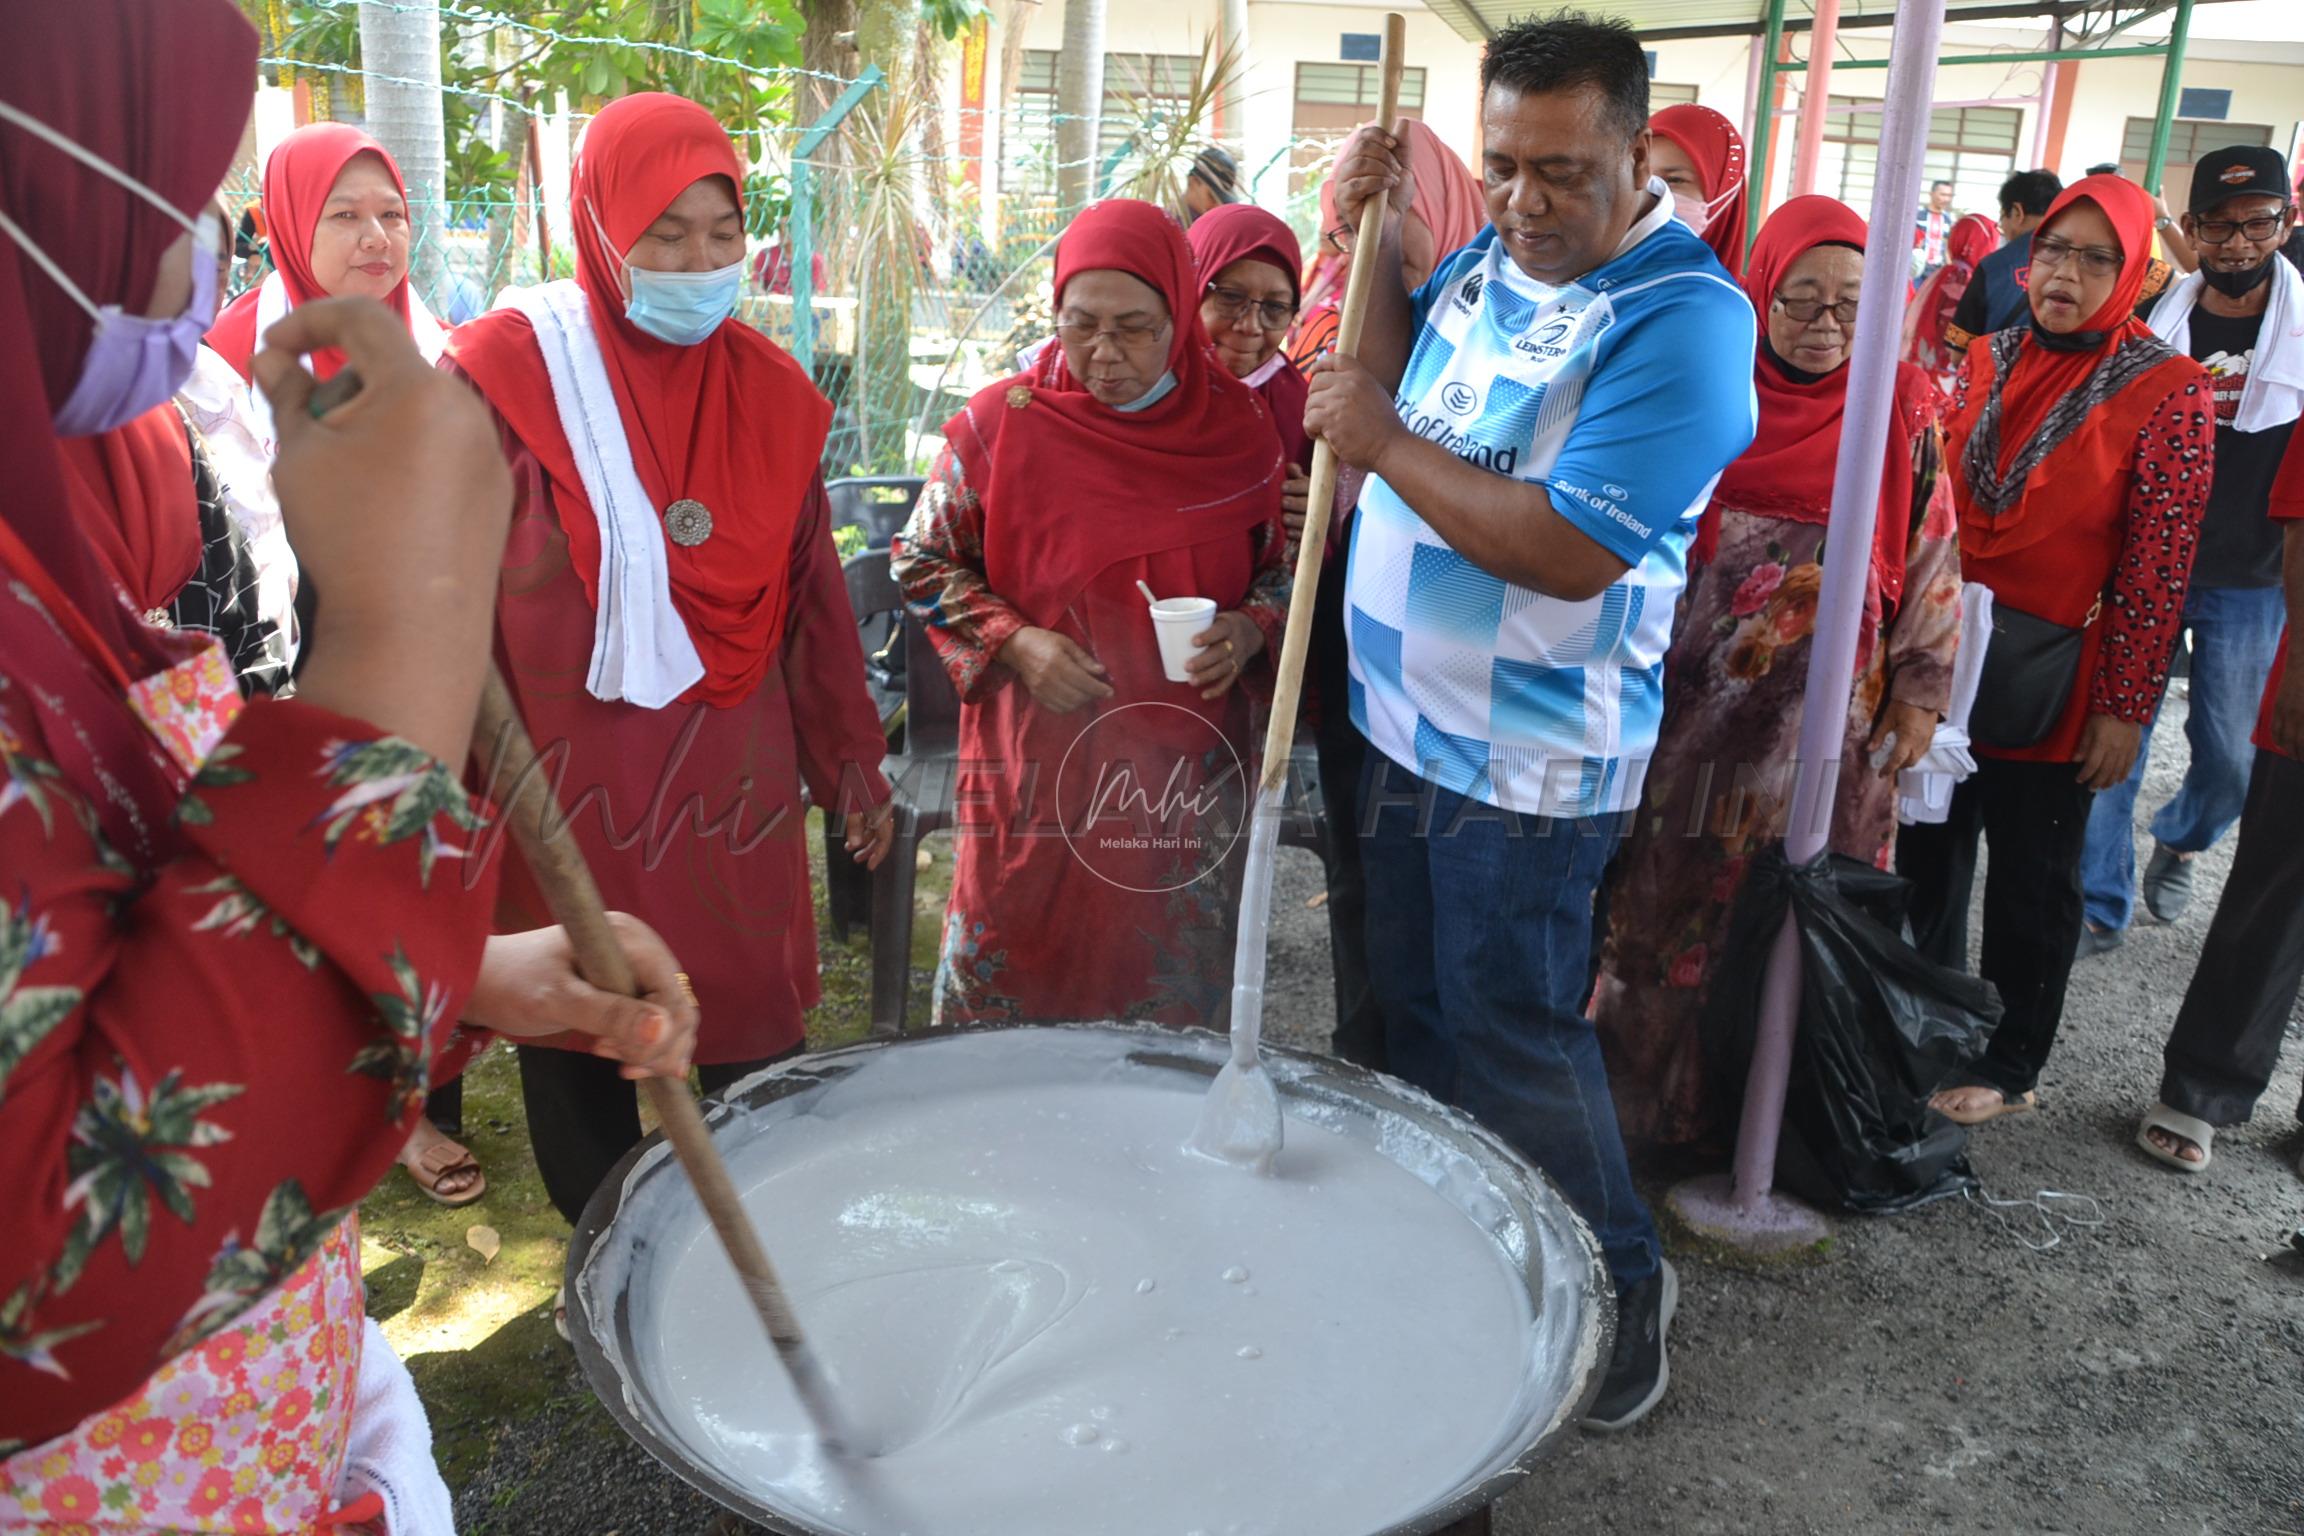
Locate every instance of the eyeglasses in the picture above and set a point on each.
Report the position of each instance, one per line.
(2217, 231)
(1231, 303)
(1805, 310)
(2096, 261)
(1133, 336)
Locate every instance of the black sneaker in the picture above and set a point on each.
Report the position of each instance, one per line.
(2167, 884)
(2096, 941)
(1639, 1369)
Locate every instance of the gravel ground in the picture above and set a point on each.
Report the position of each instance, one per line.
(1930, 1373)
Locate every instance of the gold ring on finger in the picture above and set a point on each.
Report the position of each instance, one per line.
(687, 987)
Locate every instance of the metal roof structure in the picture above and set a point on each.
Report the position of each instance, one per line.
(2084, 21)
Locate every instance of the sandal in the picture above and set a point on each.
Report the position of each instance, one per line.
(560, 1316)
(2182, 1127)
(2010, 1104)
(441, 1159)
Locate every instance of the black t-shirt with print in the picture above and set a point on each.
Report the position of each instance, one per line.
(2239, 544)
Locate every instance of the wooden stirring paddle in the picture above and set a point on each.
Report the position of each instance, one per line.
(544, 840)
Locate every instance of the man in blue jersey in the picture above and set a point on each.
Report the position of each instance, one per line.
(1542, 423)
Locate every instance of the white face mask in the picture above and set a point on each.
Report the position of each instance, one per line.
(1698, 214)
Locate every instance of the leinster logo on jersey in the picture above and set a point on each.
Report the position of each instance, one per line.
(1549, 339)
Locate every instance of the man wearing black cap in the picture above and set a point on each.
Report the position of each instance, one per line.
(2242, 316)
(1213, 181)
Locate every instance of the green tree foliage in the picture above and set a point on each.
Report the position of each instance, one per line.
(733, 56)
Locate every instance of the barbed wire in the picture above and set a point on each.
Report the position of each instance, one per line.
(499, 19)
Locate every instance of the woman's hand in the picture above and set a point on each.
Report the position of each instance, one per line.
(871, 833)
(1227, 645)
(1295, 498)
(2107, 751)
(529, 990)
(1914, 729)
(397, 502)
(1058, 672)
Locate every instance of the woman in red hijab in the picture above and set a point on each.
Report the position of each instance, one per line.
(234, 941)
(673, 621)
(1700, 155)
(1247, 261)
(1448, 211)
(338, 215)
(1926, 345)
(1098, 780)
(2081, 450)
(1736, 672)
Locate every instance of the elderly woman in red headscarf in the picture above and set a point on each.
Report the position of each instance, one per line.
(1719, 789)
(2081, 451)
(1247, 261)
(1700, 156)
(673, 621)
(1926, 345)
(235, 942)
(1099, 780)
(1448, 211)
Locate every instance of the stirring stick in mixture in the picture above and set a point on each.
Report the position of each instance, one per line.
(1241, 1121)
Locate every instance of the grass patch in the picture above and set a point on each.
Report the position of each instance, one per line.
(477, 1334)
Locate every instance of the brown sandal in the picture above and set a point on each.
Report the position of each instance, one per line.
(441, 1159)
(2009, 1104)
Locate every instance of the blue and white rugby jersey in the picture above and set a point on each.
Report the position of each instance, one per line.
(1623, 394)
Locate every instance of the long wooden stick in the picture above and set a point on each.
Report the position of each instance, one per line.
(538, 827)
(1280, 735)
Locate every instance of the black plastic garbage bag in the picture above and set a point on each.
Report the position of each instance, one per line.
(1881, 1028)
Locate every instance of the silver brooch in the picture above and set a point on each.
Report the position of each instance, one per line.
(688, 521)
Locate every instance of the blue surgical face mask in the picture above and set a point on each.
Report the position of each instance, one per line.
(134, 362)
(683, 308)
(1151, 397)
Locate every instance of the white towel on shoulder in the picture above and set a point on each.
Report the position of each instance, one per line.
(2274, 393)
(641, 650)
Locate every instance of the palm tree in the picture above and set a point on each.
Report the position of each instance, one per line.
(400, 52)
(1079, 102)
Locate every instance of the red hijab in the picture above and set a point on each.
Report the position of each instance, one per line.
(1448, 202)
(132, 496)
(161, 93)
(731, 422)
(1245, 232)
(2020, 472)
(1717, 149)
(1072, 486)
(1788, 471)
(297, 180)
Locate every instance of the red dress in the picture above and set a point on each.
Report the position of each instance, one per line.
(219, 1006)
(692, 816)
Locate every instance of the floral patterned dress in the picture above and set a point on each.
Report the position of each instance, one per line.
(231, 958)
(1720, 785)
(1076, 894)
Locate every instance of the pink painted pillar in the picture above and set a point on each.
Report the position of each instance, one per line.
(1847, 555)
(1816, 95)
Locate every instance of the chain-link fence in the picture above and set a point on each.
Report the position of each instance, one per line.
(913, 298)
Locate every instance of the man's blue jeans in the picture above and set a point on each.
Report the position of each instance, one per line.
(2235, 633)
(1479, 933)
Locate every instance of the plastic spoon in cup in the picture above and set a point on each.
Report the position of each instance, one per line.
(1147, 591)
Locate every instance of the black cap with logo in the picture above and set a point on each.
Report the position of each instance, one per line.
(2243, 170)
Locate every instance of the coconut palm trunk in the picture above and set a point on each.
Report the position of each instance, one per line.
(1079, 102)
(400, 51)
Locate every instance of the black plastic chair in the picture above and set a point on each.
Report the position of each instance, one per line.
(925, 774)
(878, 604)
(879, 504)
